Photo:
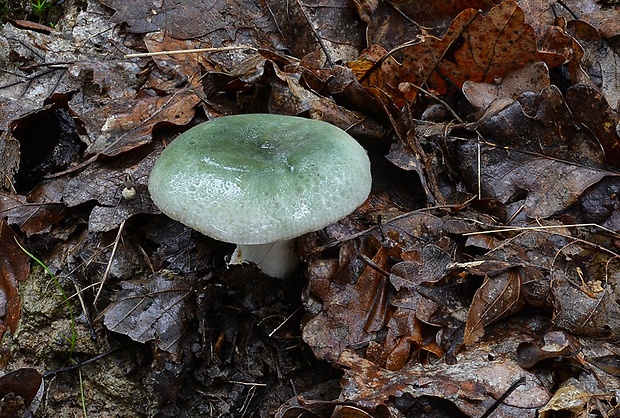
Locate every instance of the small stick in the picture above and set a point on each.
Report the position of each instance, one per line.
(539, 228)
(53, 373)
(190, 51)
(109, 266)
(502, 398)
(283, 322)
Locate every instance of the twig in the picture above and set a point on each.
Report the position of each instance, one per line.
(53, 373)
(284, 322)
(502, 398)
(109, 266)
(387, 222)
(191, 51)
(418, 39)
(374, 265)
(542, 227)
(437, 98)
(237, 382)
(316, 34)
(89, 322)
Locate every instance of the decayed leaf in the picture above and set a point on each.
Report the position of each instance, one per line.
(18, 390)
(585, 308)
(481, 376)
(572, 396)
(541, 156)
(476, 47)
(353, 309)
(288, 96)
(397, 22)
(590, 109)
(609, 364)
(600, 204)
(109, 185)
(398, 317)
(561, 276)
(14, 268)
(498, 297)
(602, 15)
(599, 60)
(194, 19)
(157, 310)
(533, 77)
(555, 344)
(331, 26)
(124, 130)
(9, 150)
(30, 82)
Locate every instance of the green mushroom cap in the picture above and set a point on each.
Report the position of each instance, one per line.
(260, 178)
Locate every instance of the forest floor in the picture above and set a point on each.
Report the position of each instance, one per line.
(479, 278)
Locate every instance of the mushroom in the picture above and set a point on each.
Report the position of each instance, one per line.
(260, 180)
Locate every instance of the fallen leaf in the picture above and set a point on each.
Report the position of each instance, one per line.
(207, 17)
(471, 386)
(18, 391)
(157, 309)
(536, 153)
(609, 364)
(397, 22)
(353, 308)
(499, 296)
(603, 16)
(476, 48)
(599, 60)
(582, 312)
(9, 165)
(590, 109)
(108, 185)
(532, 77)
(554, 345)
(14, 268)
(600, 204)
(572, 396)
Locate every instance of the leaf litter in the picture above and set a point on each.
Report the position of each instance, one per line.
(480, 278)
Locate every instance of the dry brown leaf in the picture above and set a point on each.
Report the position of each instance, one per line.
(533, 77)
(393, 23)
(290, 97)
(572, 396)
(599, 60)
(590, 109)
(19, 390)
(471, 386)
(191, 19)
(124, 130)
(554, 344)
(108, 184)
(14, 268)
(583, 309)
(498, 297)
(353, 308)
(539, 155)
(476, 47)
(600, 204)
(86, 64)
(9, 150)
(603, 15)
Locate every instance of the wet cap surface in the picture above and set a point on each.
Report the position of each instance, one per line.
(259, 178)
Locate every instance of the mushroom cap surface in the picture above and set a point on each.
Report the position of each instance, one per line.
(260, 178)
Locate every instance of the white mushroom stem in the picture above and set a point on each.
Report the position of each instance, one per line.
(275, 259)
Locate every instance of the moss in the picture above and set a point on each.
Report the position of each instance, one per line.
(41, 11)
(14, 9)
